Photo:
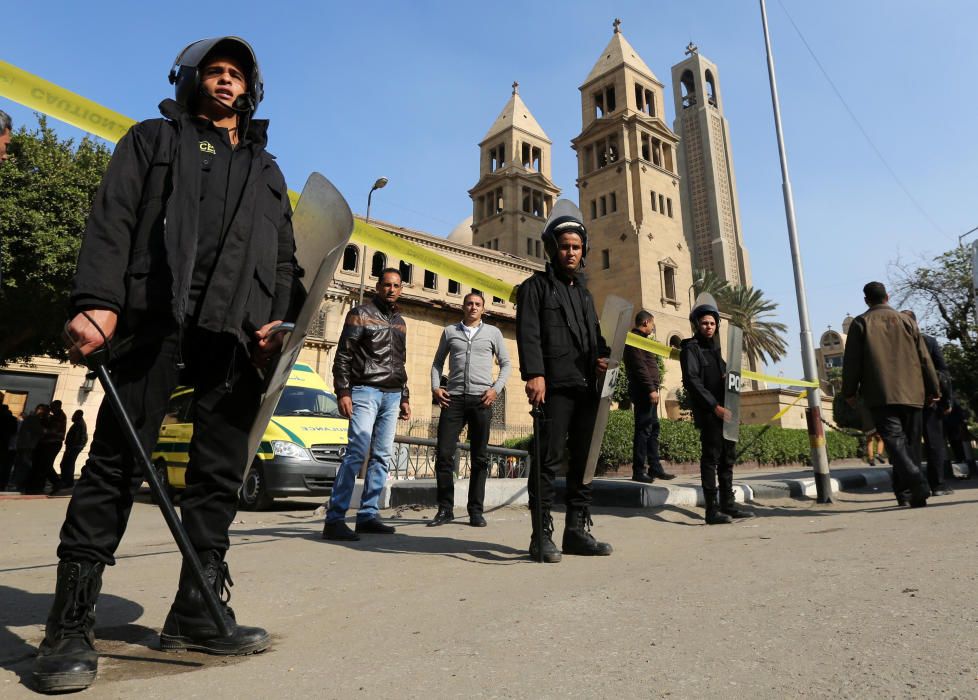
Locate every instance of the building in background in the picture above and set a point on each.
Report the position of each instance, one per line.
(828, 356)
(514, 194)
(711, 210)
(656, 203)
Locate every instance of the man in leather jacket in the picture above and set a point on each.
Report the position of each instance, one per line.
(642, 368)
(370, 381)
(562, 354)
(187, 258)
(704, 371)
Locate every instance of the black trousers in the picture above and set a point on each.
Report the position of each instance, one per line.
(42, 467)
(645, 443)
(900, 427)
(6, 463)
(463, 410)
(934, 446)
(568, 424)
(68, 465)
(226, 394)
(717, 456)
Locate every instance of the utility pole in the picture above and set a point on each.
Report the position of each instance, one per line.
(816, 433)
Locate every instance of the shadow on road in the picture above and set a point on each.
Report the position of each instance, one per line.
(401, 542)
(22, 609)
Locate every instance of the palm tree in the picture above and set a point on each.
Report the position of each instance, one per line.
(752, 313)
(749, 311)
(710, 282)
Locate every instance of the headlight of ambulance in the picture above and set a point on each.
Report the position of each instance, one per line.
(283, 448)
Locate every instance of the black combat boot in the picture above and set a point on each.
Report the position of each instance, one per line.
(189, 624)
(728, 506)
(728, 502)
(577, 535)
(66, 659)
(548, 553)
(713, 514)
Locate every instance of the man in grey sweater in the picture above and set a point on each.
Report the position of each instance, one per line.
(466, 399)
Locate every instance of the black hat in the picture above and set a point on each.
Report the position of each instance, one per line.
(565, 218)
(185, 73)
(705, 305)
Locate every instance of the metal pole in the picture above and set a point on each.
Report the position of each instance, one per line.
(363, 263)
(381, 182)
(816, 433)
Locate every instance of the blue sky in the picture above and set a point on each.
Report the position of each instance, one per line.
(407, 90)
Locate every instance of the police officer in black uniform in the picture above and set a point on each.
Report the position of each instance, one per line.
(562, 355)
(703, 371)
(187, 259)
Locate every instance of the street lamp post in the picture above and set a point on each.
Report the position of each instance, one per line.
(380, 183)
(816, 433)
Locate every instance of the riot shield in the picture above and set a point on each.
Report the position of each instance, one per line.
(731, 393)
(322, 223)
(616, 320)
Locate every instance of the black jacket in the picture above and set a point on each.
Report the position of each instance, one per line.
(943, 373)
(703, 371)
(372, 350)
(551, 345)
(643, 370)
(139, 249)
(77, 435)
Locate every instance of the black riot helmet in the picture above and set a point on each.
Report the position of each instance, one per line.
(185, 73)
(705, 305)
(565, 218)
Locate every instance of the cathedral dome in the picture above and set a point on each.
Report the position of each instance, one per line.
(463, 232)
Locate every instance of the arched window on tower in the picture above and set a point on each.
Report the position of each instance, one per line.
(688, 87)
(351, 258)
(711, 90)
(377, 264)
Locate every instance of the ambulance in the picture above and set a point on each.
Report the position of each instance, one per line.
(299, 454)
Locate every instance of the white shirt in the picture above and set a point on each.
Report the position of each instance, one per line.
(471, 330)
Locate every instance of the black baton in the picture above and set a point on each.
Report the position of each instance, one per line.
(537, 515)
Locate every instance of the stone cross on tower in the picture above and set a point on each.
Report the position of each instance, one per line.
(617, 25)
(516, 87)
(691, 49)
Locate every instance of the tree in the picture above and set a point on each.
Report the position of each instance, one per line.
(751, 312)
(46, 192)
(940, 292)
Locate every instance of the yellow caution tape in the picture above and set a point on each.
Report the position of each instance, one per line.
(46, 97)
(757, 376)
(423, 257)
(652, 346)
(657, 348)
(789, 406)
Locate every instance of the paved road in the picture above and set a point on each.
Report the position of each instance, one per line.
(856, 599)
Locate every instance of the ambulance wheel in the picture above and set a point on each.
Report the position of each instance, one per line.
(159, 466)
(254, 493)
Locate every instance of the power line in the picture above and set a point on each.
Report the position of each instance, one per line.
(859, 125)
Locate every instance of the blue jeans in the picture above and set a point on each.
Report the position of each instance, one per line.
(372, 429)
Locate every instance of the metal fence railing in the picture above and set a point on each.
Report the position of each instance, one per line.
(498, 432)
(414, 458)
